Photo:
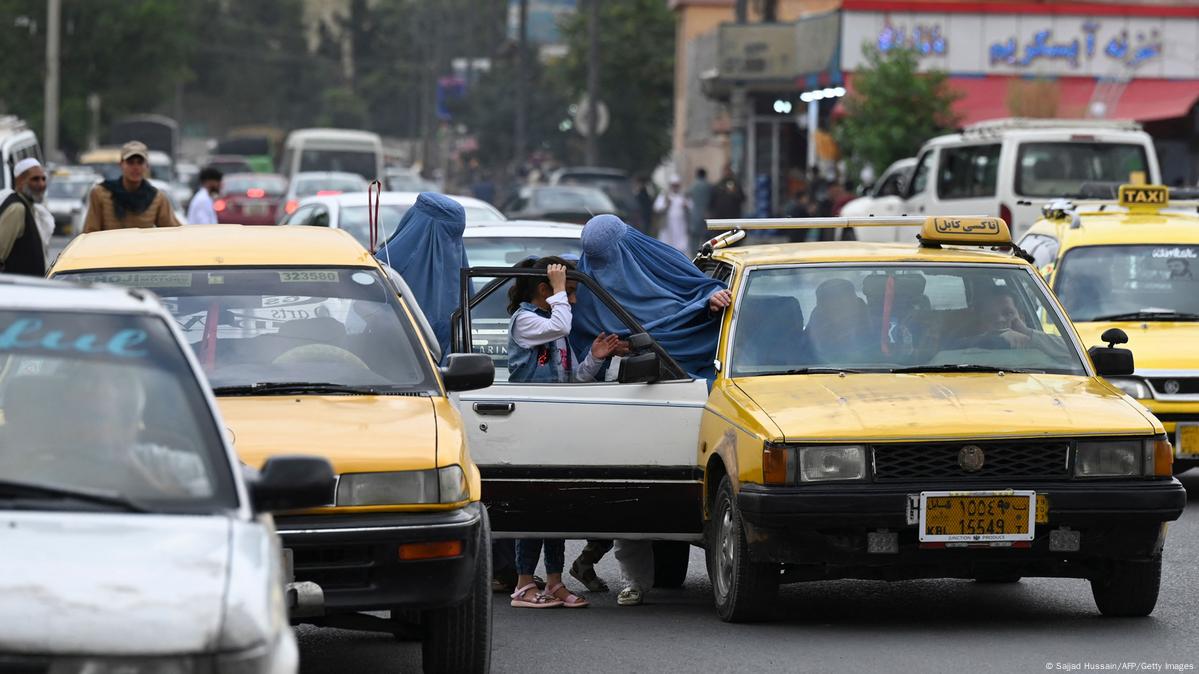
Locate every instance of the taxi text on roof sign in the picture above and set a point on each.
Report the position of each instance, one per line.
(978, 231)
(1144, 197)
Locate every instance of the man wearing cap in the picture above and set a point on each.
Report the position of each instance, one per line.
(129, 201)
(21, 248)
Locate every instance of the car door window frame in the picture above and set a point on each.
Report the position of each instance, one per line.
(925, 164)
(460, 338)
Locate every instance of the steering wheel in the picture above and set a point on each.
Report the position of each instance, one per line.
(310, 353)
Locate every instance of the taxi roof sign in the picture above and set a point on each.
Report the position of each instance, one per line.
(1144, 198)
(965, 231)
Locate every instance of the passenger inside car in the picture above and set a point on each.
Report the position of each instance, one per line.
(837, 330)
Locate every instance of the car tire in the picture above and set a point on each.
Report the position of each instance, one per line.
(670, 563)
(458, 638)
(1128, 588)
(743, 590)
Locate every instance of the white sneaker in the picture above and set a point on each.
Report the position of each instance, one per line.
(630, 596)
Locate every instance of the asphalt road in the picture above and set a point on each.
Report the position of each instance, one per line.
(1036, 625)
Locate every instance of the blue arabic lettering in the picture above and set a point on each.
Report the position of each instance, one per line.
(1144, 52)
(1004, 52)
(1090, 28)
(25, 333)
(1041, 48)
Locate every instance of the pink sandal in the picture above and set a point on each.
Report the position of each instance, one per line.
(540, 599)
(571, 600)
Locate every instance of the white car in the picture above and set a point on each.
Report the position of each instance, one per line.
(320, 183)
(348, 211)
(884, 199)
(66, 197)
(134, 541)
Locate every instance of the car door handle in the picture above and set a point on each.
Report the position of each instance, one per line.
(494, 409)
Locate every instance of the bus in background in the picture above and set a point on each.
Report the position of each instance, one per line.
(309, 150)
(259, 145)
(158, 132)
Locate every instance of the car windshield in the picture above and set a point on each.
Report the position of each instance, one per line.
(308, 186)
(104, 407)
(885, 318)
(341, 327)
(271, 185)
(505, 251)
(577, 199)
(1062, 169)
(1102, 282)
(68, 189)
(362, 162)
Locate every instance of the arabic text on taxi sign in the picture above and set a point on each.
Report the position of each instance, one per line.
(970, 226)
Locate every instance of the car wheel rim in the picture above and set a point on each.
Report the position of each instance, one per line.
(724, 552)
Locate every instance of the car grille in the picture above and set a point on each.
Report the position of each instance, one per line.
(336, 567)
(1186, 385)
(933, 461)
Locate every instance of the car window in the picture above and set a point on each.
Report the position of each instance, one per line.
(892, 185)
(107, 404)
(338, 326)
(309, 186)
(67, 189)
(1097, 281)
(356, 220)
(319, 217)
(1042, 247)
(364, 163)
(301, 215)
(505, 251)
(1062, 169)
(886, 317)
(968, 171)
(920, 175)
(551, 199)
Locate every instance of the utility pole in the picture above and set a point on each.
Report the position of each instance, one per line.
(739, 112)
(50, 112)
(522, 97)
(591, 153)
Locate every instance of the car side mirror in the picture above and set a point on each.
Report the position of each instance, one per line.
(292, 482)
(643, 365)
(1111, 362)
(468, 371)
(640, 342)
(1114, 336)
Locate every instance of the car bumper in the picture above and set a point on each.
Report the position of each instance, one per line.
(354, 558)
(826, 527)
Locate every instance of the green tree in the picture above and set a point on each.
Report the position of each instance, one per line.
(636, 82)
(894, 108)
(489, 111)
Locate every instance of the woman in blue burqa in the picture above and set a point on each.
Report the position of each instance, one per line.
(427, 251)
(675, 303)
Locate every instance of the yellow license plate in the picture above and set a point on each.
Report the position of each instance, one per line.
(1188, 439)
(977, 516)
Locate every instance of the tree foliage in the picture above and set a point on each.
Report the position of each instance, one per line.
(893, 109)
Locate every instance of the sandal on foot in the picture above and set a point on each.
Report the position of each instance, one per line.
(585, 574)
(630, 596)
(522, 599)
(570, 600)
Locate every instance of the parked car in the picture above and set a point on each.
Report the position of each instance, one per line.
(614, 182)
(348, 211)
(408, 180)
(320, 183)
(66, 196)
(17, 142)
(1132, 263)
(313, 346)
(1012, 167)
(560, 203)
(251, 199)
(133, 539)
(870, 417)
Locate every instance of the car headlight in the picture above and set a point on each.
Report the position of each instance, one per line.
(834, 462)
(1114, 458)
(440, 485)
(1137, 388)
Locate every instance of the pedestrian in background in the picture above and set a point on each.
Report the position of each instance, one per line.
(130, 200)
(22, 250)
(201, 210)
(644, 217)
(728, 199)
(701, 197)
(677, 209)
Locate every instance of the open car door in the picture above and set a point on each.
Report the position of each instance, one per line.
(608, 459)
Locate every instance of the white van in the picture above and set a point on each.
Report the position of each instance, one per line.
(345, 150)
(1011, 167)
(884, 199)
(16, 143)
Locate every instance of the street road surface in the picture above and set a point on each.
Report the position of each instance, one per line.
(1036, 625)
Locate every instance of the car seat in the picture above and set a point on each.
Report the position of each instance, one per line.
(838, 328)
(772, 328)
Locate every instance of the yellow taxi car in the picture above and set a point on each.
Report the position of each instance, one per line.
(884, 411)
(312, 348)
(1133, 264)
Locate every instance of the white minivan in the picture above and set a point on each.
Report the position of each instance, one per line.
(16, 143)
(1011, 167)
(345, 150)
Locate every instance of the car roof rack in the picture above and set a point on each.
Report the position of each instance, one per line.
(995, 126)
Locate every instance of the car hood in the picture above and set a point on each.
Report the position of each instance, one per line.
(888, 407)
(112, 584)
(1156, 345)
(355, 433)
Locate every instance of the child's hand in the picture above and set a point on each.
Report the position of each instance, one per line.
(557, 274)
(719, 301)
(606, 345)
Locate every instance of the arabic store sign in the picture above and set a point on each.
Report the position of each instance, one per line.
(1036, 44)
